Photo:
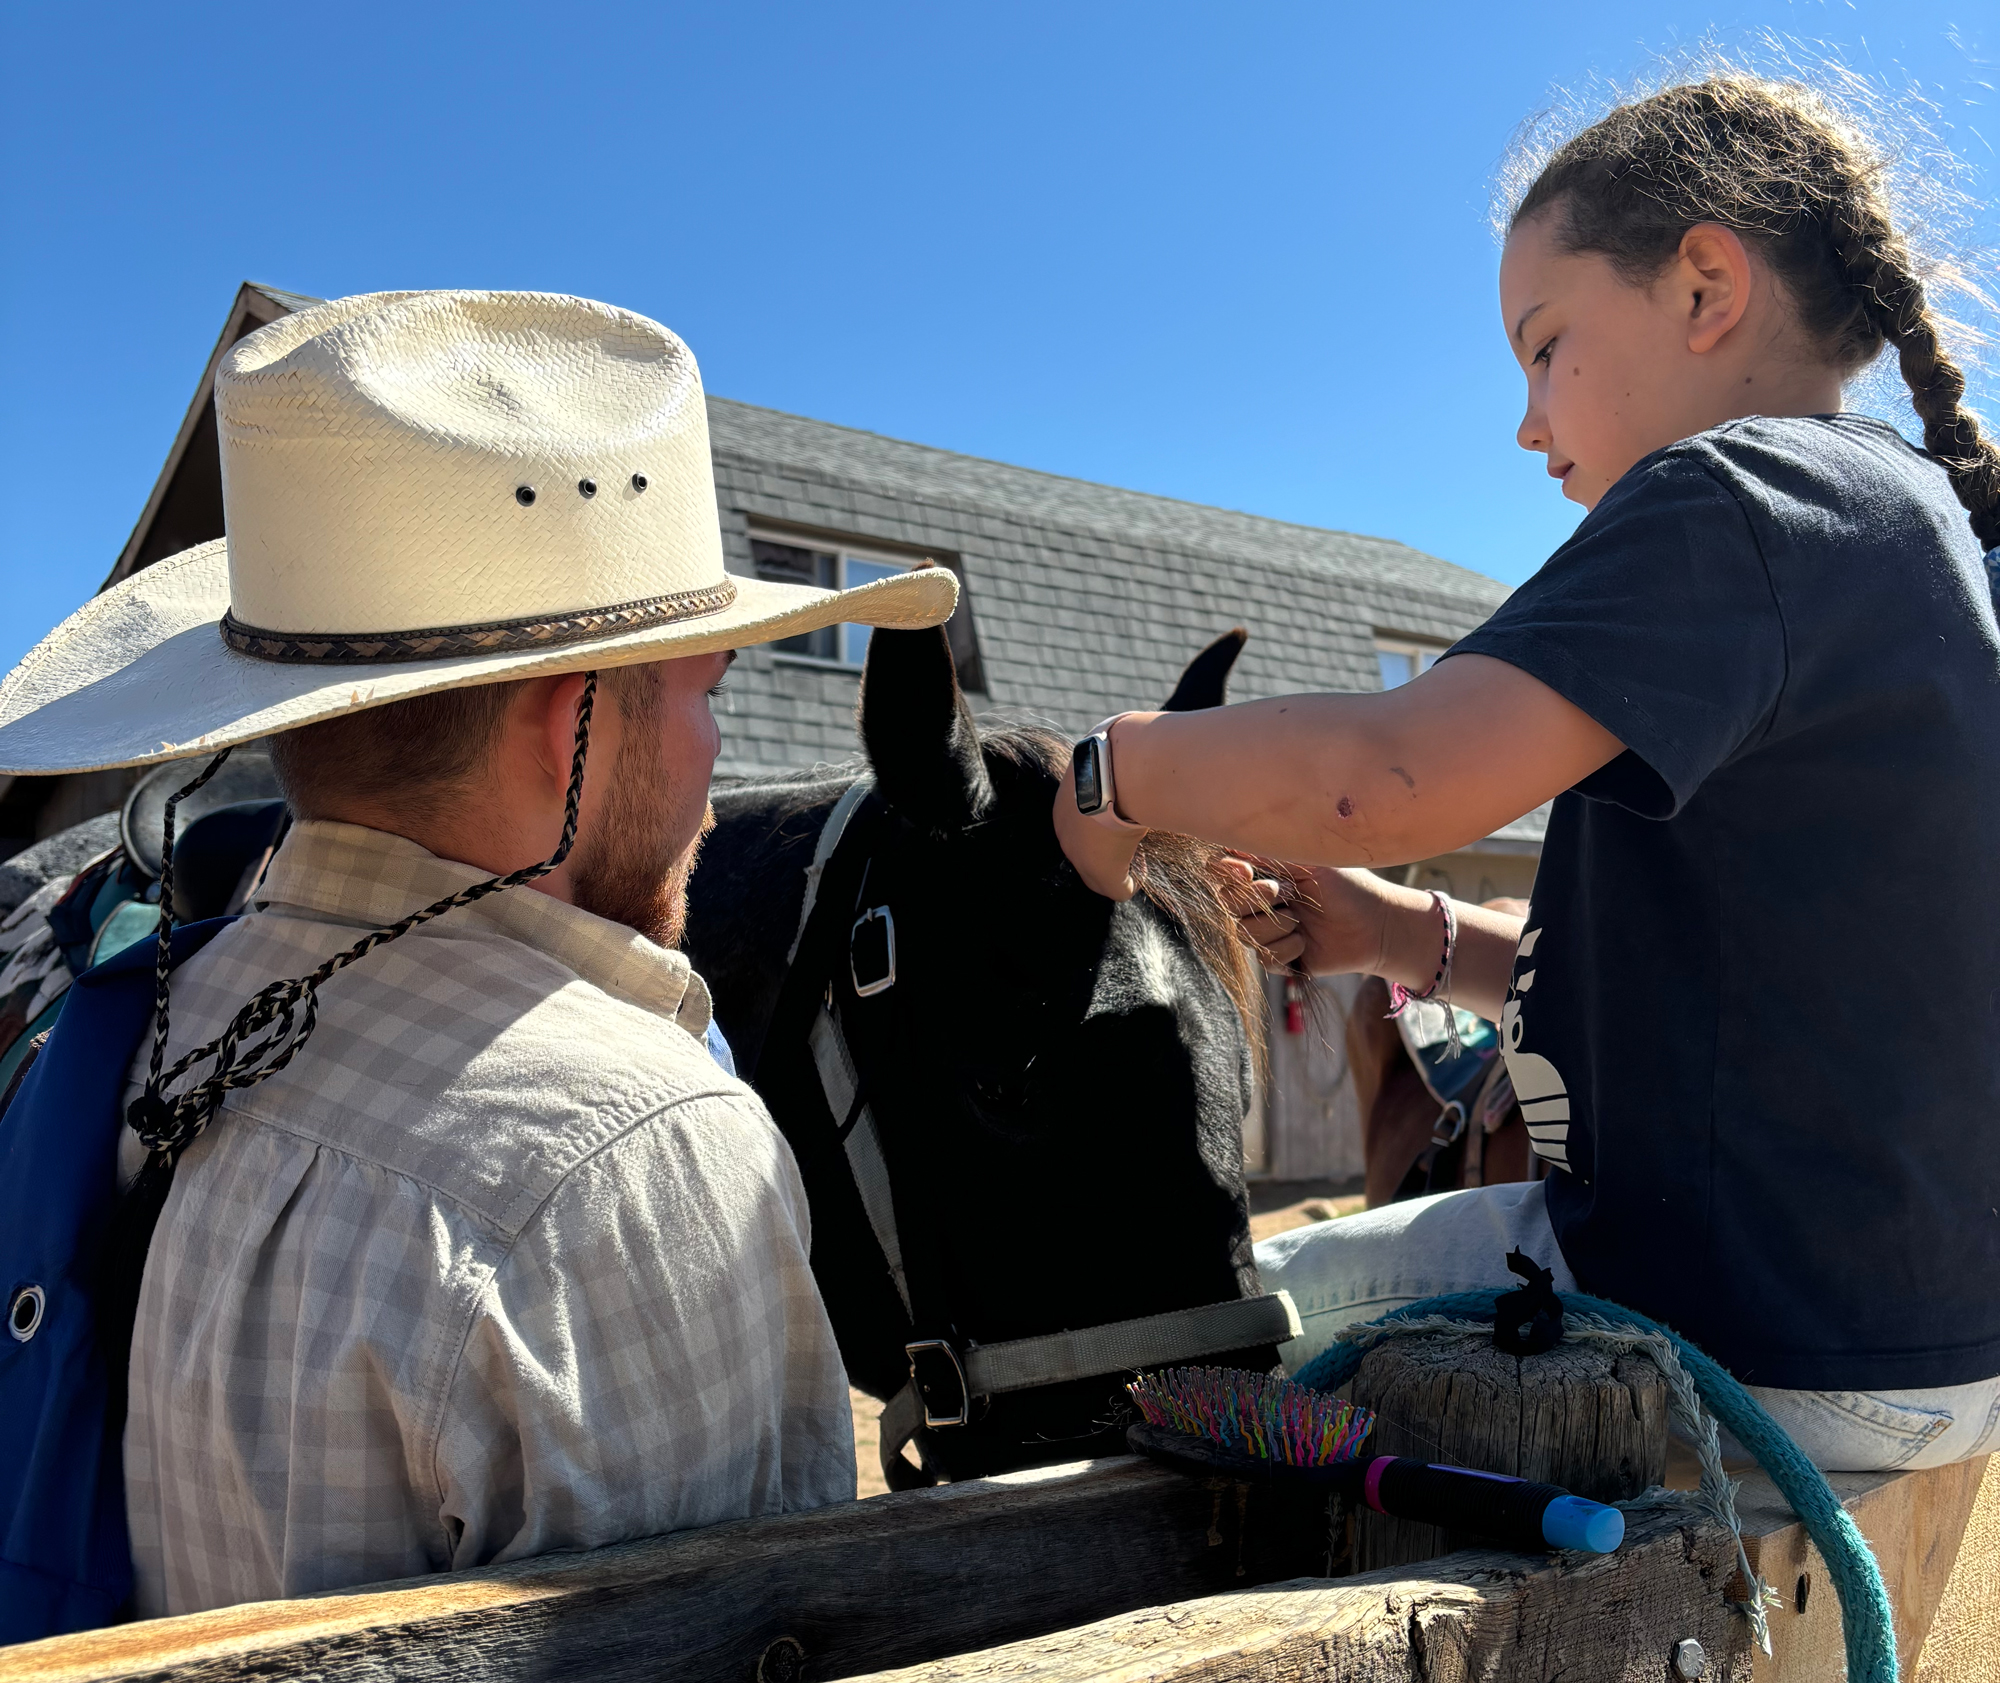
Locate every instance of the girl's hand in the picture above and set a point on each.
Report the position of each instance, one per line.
(1320, 921)
(1102, 856)
(1324, 922)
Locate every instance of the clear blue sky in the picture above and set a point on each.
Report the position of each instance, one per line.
(1233, 253)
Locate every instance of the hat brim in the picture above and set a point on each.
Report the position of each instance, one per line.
(141, 673)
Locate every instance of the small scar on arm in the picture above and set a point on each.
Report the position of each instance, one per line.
(1409, 782)
(1345, 808)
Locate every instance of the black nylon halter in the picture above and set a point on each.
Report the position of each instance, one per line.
(786, 1070)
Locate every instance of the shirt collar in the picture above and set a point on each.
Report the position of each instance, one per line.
(369, 878)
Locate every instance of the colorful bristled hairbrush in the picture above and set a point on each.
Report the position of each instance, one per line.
(1221, 1422)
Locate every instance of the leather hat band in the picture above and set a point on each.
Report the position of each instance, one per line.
(360, 648)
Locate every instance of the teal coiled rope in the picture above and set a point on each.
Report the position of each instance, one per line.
(1866, 1620)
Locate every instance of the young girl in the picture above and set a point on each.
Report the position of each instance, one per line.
(1754, 1011)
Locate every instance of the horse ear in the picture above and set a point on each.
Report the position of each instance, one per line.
(1205, 683)
(918, 732)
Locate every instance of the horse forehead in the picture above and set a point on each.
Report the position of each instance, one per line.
(1143, 963)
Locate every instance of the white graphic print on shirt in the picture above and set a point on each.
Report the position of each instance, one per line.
(1538, 1084)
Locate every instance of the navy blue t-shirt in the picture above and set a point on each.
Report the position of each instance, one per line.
(1755, 1015)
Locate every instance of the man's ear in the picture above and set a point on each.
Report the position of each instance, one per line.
(1713, 279)
(548, 708)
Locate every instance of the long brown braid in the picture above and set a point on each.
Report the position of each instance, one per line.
(1776, 162)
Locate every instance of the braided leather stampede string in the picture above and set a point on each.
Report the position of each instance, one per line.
(290, 1008)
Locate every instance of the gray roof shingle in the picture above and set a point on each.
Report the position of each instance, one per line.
(971, 484)
(1086, 599)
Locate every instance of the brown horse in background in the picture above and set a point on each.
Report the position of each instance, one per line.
(1408, 1150)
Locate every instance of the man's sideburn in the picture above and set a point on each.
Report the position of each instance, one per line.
(626, 868)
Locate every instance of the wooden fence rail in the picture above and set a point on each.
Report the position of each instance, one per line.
(1104, 1569)
(826, 1594)
(1471, 1617)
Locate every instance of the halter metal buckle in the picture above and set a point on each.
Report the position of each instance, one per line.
(880, 960)
(934, 1363)
(1439, 1137)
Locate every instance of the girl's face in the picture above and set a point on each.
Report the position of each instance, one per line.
(1595, 349)
(1617, 371)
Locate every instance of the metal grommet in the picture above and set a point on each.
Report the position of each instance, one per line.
(586, 487)
(524, 494)
(24, 1314)
(638, 482)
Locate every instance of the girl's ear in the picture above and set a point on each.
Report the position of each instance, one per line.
(1713, 277)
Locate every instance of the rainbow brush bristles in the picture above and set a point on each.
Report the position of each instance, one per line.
(1215, 1422)
(1271, 1420)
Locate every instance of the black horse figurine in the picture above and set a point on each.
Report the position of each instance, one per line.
(1058, 1083)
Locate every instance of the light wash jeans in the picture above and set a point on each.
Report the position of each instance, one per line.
(1362, 1266)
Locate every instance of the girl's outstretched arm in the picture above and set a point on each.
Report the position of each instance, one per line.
(1342, 780)
(1326, 922)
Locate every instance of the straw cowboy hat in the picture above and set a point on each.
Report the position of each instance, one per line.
(422, 490)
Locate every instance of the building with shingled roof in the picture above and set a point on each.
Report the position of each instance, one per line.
(1079, 600)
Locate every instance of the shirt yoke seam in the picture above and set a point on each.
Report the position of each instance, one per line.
(244, 1108)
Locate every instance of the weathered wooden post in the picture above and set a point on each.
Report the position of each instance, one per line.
(1577, 1415)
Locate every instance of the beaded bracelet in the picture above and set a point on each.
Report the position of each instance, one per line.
(1399, 996)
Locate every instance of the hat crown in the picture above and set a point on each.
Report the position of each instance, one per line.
(404, 462)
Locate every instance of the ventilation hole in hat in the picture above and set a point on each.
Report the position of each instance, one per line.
(638, 482)
(524, 494)
(586, 487)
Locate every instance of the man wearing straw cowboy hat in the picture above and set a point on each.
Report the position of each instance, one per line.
(467, 1249)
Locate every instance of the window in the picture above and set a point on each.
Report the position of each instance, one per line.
(1399, 659)
(829, 568)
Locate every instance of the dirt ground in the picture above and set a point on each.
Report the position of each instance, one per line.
(1275, 1207)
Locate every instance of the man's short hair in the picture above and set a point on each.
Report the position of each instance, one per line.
(415, 754)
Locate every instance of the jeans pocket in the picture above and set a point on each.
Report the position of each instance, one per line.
(1855, 1430)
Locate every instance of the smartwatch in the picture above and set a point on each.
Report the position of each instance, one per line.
(1096, 791)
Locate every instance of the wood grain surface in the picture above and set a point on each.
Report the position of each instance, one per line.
(825, 1594)
(1493, 1617)
(1936, 1537)
(1576, 1416)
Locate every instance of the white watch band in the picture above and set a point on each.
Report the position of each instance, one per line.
(1108, 814)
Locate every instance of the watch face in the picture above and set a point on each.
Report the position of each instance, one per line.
(1089, 778)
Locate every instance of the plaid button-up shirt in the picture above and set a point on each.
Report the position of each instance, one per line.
(501, 1263)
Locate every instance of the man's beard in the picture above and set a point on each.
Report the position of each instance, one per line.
(626, 866)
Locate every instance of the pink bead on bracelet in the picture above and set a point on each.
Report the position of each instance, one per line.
(1400, 996)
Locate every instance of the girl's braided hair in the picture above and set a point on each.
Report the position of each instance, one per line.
(1776, 162)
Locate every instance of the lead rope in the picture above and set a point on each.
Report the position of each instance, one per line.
(289, 1008)
(1868, 1626)
(1716, 1495)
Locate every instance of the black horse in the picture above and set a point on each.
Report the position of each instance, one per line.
(1058, 1083)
